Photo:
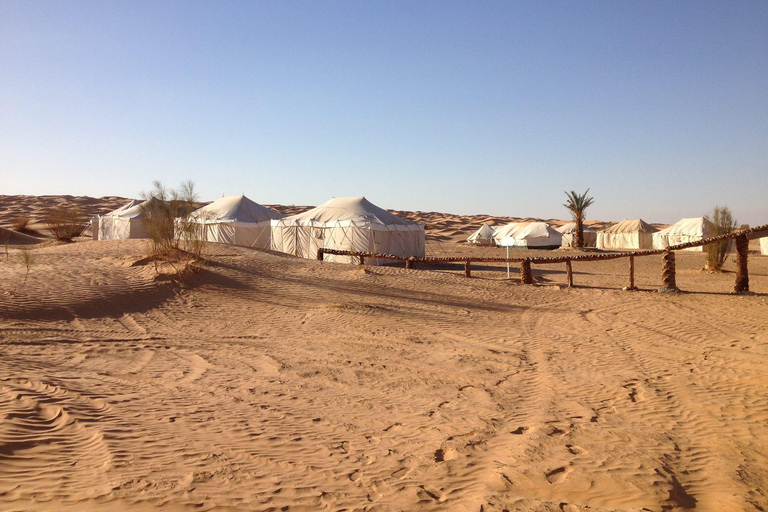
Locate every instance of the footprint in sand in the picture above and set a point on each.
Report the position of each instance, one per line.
(576, 450)
(558, 475)
(434, 493)
(401, 473)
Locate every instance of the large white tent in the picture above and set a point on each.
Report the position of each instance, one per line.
(483, 236)
(764, 245)
(684, 231)
(627, 234)
(528, 235)
(235, 220)
(348, 224)
(125, 222)
(569, 235)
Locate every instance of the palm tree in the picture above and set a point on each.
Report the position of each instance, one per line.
(578, 204)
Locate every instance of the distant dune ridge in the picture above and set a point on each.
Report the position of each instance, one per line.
(440, 226)
(269, 382)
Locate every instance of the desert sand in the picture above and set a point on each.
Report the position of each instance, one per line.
(267, 382)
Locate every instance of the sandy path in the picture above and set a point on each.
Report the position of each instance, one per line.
(276, 383)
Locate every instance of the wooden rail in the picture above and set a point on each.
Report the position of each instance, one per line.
(668, 273)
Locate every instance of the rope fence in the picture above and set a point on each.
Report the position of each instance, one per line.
(669, 284)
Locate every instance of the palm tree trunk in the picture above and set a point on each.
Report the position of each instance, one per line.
(579, 232)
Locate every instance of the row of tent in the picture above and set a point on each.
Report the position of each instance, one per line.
(627, 234)
(343, 223)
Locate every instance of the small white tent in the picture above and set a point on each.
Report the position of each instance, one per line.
(235, 220)
(569, 235)
(348, 224)
(528, 235)
(483, 236)
(627, 234)
(684, 231)
(125, 222)
(764, 245)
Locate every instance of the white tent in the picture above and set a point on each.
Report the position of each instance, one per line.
(569, 235)
(684, 231)
(483, 236)
(348, 224)
(627, 234)
(528, 235)
(235, 220)
(125, 222)
(764, 245)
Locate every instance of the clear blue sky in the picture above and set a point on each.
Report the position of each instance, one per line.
(661, 107)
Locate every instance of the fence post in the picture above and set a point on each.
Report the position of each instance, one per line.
(468, 269)
(668, 284)
(320, 254)
(525, 272)
(362, 260)
(569, 272)
(632, 286)
(742, 272)
(410, 263)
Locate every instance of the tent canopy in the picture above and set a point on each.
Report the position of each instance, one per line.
(627, 234)
(528, 235)
(348, 211)
(484, 235)
(350, 224)
(234, 220)
(569, 235)
(694, 226)
(570, 229)
(235, 209)
(684, 231)
(631, 226)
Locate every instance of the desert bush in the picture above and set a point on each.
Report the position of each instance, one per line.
(723, 223)
(20, 224)
(65, 223)
(162, 216)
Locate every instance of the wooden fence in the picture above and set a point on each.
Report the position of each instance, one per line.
(741, 237)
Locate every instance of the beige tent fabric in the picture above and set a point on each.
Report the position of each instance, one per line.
(764, 245)
(123, 223)
(236, 220)
(684, 231)
(627, 234)
(508, 230)
(349, 224)
(483, 236)
(528, 235)
(569, 235)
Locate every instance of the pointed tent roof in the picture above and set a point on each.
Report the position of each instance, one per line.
(631, 226)
(348, 211)
(484, 232)
(693, 226)
(119, 212)
(570, 228)
(235, 209)
(131, 210)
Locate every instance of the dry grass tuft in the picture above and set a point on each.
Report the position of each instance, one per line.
(65, 223)
(21, 225)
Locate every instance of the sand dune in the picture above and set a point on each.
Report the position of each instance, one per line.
(275, 383)
(440, 226)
